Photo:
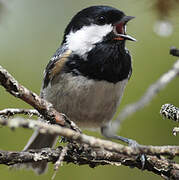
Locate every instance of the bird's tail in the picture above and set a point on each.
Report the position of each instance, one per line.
(38, 141)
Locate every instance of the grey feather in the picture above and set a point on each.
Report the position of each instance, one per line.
(89, 103)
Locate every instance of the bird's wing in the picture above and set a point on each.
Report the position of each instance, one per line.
(55, 65)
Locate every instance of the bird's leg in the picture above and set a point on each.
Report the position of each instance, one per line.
(107, 132)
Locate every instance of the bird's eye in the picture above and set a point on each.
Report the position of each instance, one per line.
(101, 20)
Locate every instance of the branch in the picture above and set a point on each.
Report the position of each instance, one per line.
(89, 140)
(148, 96)
(42, 106)
(92, 157)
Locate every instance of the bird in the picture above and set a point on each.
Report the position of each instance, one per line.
(86, 77)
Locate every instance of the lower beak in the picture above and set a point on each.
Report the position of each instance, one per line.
(122, 23)
(125, 36)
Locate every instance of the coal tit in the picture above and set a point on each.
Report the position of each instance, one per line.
(86, 77)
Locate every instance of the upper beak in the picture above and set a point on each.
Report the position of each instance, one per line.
(125, 19)
(120, 29)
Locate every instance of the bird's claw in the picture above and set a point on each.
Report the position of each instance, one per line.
(133, 143)
(142, 157)
(63, 140)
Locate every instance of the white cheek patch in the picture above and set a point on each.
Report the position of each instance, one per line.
(83, 40)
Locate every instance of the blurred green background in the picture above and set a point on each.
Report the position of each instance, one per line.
(31, 31)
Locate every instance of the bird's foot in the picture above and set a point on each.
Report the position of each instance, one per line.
(134, 144)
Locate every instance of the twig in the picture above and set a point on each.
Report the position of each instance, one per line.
(175, 131)
(174, 51)
(60, 160)
(89, 140)
(13, 111)
(148, 96)
(42, 106)
(169, 111)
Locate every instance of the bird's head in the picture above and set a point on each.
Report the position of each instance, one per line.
(96, 24)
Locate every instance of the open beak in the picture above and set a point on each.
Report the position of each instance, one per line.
(120, 29)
